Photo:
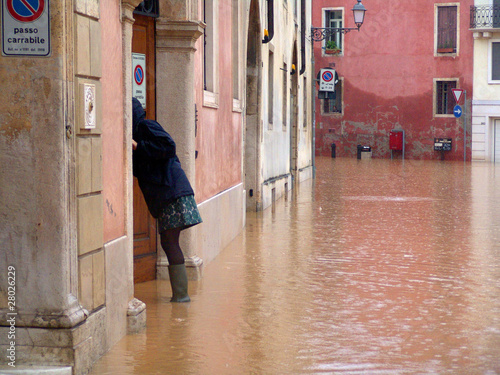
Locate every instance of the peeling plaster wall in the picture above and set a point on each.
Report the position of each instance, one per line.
(388, 69)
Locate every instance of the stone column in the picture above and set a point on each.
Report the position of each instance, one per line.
(175, 77)
(34, 235)
(136, 319)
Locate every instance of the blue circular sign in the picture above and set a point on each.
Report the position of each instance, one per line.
(327, 76)
(139, 75)
(457, 111)
(25, 10)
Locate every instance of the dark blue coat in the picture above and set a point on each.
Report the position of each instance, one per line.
(155, 163)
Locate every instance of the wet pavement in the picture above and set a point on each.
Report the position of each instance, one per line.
(378, 267)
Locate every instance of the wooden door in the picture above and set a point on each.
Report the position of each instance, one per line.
(145, 244)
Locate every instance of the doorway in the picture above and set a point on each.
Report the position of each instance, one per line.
(145, 241)
(496, 141)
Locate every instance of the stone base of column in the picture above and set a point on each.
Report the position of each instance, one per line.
(194, 267)
(136, 316)
(39, 348)
(38, 370)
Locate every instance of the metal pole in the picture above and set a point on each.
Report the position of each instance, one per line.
(313, 92)
(465, 126)
(404, 144)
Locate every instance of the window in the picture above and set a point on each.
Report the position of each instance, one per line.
(445, 101)
(495, 62)
(305, 102)
(210, 53)
(270, 88)
(285, 86)
(235, 42)
(331, 106)
(446, 32)
(333, 19)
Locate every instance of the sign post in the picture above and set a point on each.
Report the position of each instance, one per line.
(25, 28)
(458, 112)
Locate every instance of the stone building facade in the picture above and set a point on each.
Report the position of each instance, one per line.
(485, 30)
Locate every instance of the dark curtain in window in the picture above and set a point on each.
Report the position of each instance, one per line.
(495, 61)
(447, 27)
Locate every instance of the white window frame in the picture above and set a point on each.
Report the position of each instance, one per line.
(491, 81)
(335, 114)
(434, 96)
(323, 15)
(271, 62)
(236, 55)
(436, 6)
(211, 94)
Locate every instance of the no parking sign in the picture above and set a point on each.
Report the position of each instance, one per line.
(139, 77)
(25, 28)
(327, 80)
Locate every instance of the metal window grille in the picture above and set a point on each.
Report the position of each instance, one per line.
(334, 105)
(444, 97)
(148, 8)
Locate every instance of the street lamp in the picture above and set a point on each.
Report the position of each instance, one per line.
(319, 34)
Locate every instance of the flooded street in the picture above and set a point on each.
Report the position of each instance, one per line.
(378, 267)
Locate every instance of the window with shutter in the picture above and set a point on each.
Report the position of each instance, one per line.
(447, 29)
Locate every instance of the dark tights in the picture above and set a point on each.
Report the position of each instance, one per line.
(170, 244)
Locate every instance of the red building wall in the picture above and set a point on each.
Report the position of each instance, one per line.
(388, 70)
(219, 128)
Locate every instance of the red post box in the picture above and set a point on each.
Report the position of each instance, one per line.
(396, 141)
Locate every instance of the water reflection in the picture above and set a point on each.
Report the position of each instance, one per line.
(379, 267)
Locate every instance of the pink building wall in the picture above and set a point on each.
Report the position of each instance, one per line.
(112, 122)
(388, 69)
(219, 133)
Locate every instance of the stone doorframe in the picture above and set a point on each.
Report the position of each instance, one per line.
(175, 48)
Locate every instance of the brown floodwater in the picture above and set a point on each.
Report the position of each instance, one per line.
(376, 267)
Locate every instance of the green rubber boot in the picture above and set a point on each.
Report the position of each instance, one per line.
(179, 283)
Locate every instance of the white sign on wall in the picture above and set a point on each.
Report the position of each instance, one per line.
(139, 77)
(327, 80)
(25, 28)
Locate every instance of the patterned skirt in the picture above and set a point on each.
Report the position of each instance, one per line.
(180, 213)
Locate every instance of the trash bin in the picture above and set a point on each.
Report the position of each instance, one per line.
(334, 148)
(364, 152)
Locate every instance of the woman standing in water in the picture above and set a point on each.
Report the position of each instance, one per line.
(167, 192)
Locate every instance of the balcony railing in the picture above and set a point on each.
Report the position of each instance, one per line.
(485, 17)
(148, 8)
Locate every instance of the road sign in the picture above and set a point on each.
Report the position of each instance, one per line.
(457, 93)
(25, 10)
(457, 111)
(25, 28)
(327, 80)
(139, 74)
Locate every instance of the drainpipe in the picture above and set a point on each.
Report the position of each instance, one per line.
(313, 96)
(303, 36)
(270, 22)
